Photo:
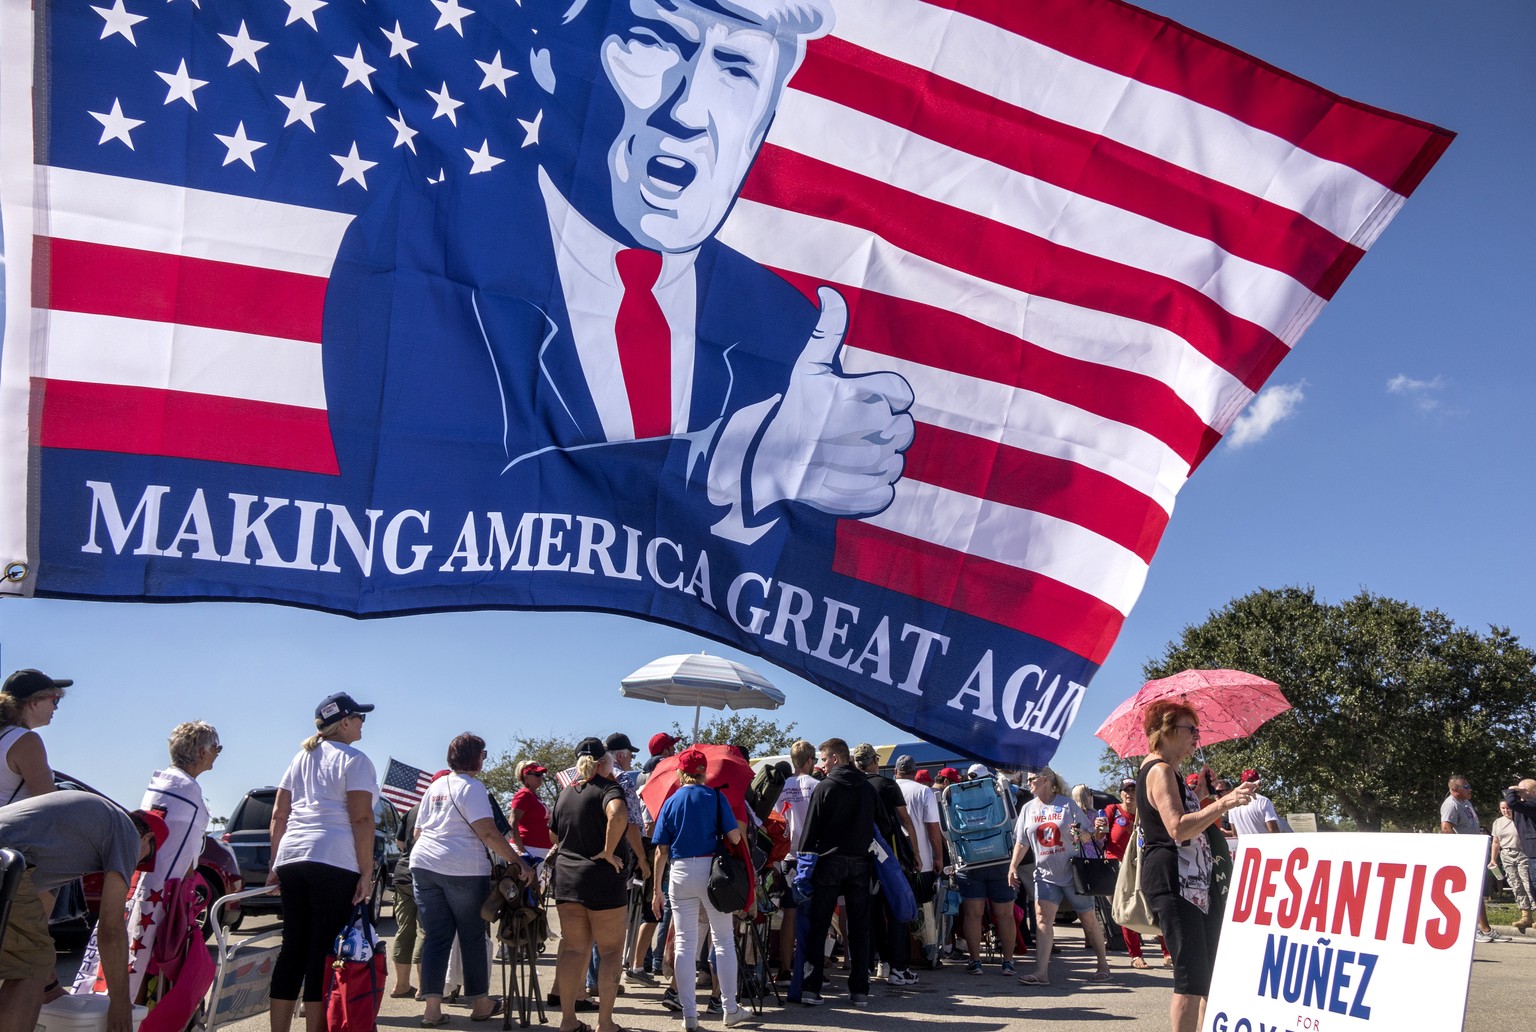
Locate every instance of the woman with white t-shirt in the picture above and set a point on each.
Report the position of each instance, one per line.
(28, 701)
(451, 877)
(322, 854)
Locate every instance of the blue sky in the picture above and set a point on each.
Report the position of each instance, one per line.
(1393, 454)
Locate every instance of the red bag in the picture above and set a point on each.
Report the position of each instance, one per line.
(777, 830)
(354, 988)
(354, 991)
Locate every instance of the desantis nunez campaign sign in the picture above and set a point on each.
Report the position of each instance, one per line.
(1347, 933)
(873, 336)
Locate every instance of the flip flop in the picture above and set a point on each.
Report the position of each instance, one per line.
(1030, 979)
(1101, 976)
(442, 1019)
(581, 1026)
(495, 1011)
(1139, 963)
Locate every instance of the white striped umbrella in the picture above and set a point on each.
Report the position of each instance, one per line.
(700, 680)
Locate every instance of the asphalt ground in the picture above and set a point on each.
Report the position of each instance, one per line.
(1499, 1000)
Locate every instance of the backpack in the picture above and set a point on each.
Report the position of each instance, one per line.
(764, 791)
(978, 822)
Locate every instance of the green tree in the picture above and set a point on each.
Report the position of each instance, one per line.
(556, 752)
(757, 735)
(1388, 701)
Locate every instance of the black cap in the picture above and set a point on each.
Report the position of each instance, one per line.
(592, 747)
(338, 707)
(619, 740)
(24, 684)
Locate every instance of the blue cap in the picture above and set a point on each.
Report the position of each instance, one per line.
(337, 707)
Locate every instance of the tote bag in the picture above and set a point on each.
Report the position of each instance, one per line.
(1130, 908)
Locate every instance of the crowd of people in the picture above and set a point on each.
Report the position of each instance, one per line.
(630, 873)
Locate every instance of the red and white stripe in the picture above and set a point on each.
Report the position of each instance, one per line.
(183, 322)
(1087, 237)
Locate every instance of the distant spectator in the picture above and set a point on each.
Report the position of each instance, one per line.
(406, 949)
(892, 938)
(662, 745)
(451, 877)
(922, 777)
(530, 817)
(690, 824)
(945, 777)
(322, 853)
(174, 795)
(839, 827)
(1120, 825)
(1052, 824)
(977, 770)
(923, 808)
(794, 803)
(1255, 817)
(28, 700)
(64, 835)
(1459, 817)
(1512, 862)
(588, 823)
(1520, 798)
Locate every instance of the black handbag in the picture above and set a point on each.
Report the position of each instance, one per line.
(1093, 875)
(730, 881)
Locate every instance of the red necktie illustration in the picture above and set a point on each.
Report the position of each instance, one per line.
(645, 344)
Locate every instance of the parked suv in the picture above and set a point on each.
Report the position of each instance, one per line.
(249, 835)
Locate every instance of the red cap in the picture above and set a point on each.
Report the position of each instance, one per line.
(922, 777)
(1192, 780)
(159, 830)
(661, 742)
(950, 774)
(693, 762)
(1250, 775)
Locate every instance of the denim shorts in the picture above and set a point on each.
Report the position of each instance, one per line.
(990, 882)
(1045, 892)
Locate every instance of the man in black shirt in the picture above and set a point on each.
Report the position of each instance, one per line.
(839, 827)
(892, 938)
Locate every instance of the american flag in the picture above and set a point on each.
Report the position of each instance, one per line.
(404, 785)
(1084, 234)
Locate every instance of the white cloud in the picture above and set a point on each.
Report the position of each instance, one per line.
(1271, 406)
(1421, 392)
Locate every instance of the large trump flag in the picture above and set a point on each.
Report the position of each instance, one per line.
(876, 337)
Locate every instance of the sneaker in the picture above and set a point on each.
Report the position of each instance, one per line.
(738, 1016)
(690, 1025)
(973, 967)
(670, 1001)
(638, 975)
(859, 999)
(907, 977)
(1483, 936)
(1007, 967)
(809, 999)
(714, 1006)
(882, 970)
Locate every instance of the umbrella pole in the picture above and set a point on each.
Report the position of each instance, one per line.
(696, 724)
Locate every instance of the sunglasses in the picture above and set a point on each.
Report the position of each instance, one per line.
(1193, 729)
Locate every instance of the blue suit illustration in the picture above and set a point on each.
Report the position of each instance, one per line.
(474, 319)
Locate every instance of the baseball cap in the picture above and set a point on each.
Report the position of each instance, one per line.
(24, 684)
(661, 742)
(905, 764)
(592, 747)
(692, 761)
(1250, 775)
(619, 740)
(159, 830)
(922, 777)
(950, 774)
(979, 770)
(338, 707)
(1127, 784)
(530, 767)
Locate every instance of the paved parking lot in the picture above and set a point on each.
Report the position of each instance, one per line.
(1502, 975)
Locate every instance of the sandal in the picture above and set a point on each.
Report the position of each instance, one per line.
(442, 1019)
(1101, 976)
(581, 1026)
(403, 993)
(1030, 979)
(1137, 962)
(495, 1011)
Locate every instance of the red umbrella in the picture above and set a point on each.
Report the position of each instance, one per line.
(1230, 704)
(727, 771)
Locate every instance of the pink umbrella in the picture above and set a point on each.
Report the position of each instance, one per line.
(1230, 703)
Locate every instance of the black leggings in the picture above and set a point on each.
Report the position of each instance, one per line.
(1190, 937)
(317, 902)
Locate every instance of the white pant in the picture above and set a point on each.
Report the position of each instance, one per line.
(688, 889)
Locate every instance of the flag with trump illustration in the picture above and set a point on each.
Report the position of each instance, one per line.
(875, 337)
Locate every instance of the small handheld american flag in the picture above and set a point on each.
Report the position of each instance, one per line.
(404, 785)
